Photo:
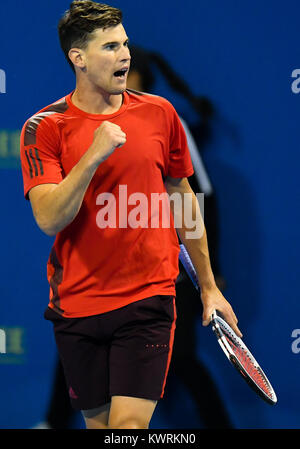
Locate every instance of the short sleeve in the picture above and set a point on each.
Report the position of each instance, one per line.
(180, 163)
(40, 153)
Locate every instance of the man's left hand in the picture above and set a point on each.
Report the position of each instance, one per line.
(213, 299)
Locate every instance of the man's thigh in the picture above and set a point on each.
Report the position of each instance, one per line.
(141, 350)
(84, 358)
(133, 365)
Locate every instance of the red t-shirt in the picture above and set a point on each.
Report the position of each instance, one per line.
(93, 269)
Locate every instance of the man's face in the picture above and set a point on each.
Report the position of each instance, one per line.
(106, 54)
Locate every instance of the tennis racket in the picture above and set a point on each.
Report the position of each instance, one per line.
(234, 348)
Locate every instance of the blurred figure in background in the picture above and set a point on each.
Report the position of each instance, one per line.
(185, 364)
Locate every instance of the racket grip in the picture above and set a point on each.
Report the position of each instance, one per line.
(188, 265)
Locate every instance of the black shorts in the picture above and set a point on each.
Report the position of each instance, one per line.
(124, 352)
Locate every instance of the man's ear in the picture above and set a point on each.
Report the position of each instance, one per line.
(76, 55)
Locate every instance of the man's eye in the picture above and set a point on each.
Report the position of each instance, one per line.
(110, 47)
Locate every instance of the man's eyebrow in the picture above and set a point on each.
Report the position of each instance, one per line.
(114, 43)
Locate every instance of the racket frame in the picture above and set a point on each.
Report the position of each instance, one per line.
(215, 318)
(189, 268)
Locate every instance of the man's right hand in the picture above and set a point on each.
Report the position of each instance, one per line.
(107, 138)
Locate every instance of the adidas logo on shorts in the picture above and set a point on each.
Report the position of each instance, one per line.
(72, 394)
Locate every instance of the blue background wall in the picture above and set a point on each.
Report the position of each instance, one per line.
(241, 55)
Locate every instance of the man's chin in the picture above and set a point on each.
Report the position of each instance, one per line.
(113, 90)
(118, 91)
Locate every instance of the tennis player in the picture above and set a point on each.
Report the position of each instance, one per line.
(112, 284)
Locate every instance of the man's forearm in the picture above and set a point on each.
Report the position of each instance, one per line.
(211, 297)
(58, 207)
(199, 254)
(196, 247)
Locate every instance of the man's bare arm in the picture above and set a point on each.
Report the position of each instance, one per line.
(56, 205)
(197, 248)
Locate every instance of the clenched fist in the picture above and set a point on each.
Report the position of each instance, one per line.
(107, 138)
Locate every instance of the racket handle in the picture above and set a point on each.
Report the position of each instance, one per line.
(188, 265)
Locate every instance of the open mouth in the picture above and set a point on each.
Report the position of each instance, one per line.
(121, 73)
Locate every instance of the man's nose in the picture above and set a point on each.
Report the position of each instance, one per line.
(126, 54)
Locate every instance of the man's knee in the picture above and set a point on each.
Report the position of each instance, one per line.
(127, 422)
(93, 424)
(97, 418)
(130, 413)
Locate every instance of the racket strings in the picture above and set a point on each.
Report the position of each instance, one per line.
(247, 363)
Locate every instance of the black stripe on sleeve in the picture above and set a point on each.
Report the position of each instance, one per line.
(34, 163)
(29, 164)
(39, 161)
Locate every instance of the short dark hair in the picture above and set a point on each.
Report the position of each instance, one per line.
(76, 26)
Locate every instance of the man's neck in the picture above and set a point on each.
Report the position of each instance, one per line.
(93, 101)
